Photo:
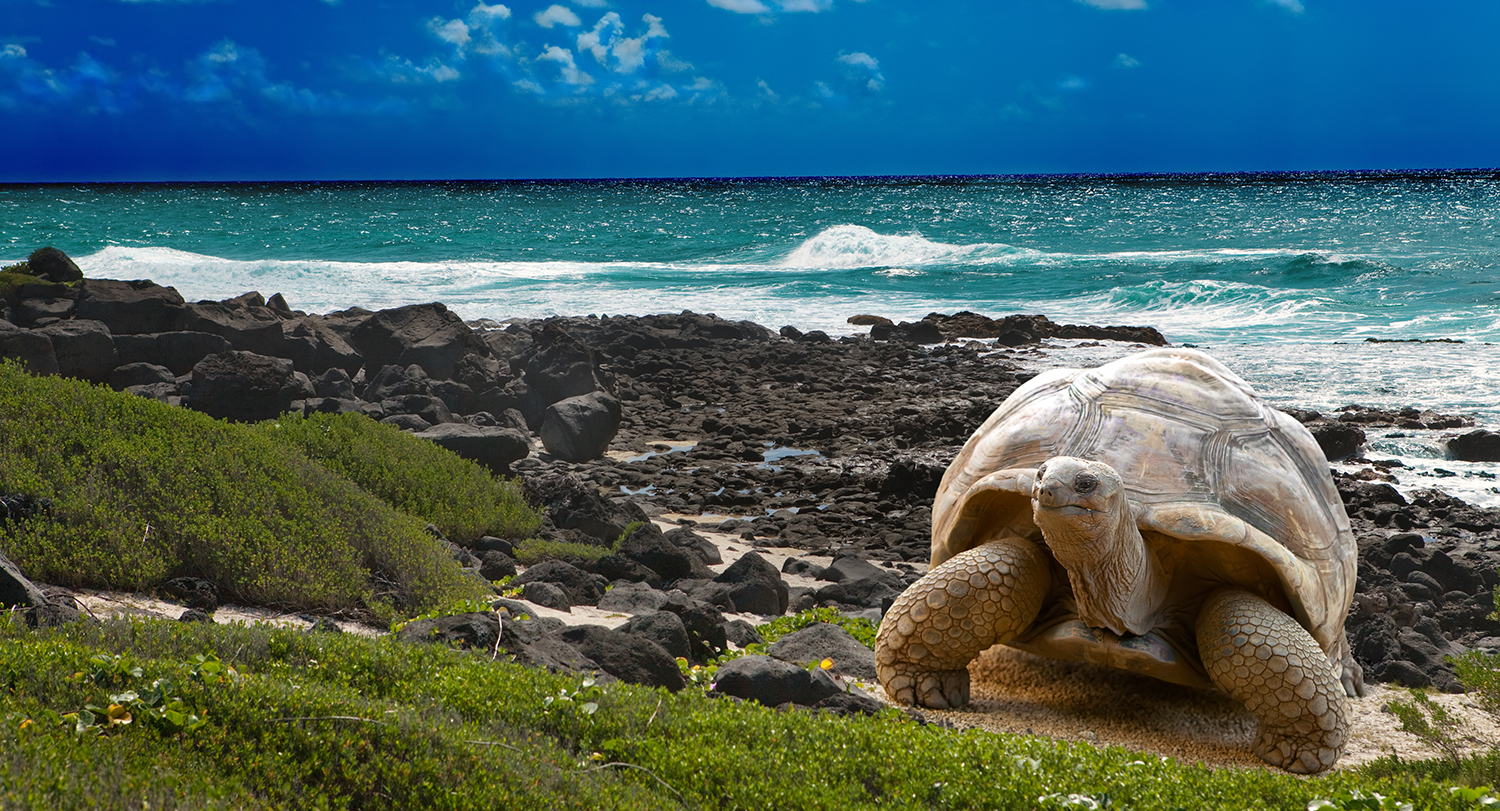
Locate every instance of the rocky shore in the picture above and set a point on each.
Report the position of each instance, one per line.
(832, 447)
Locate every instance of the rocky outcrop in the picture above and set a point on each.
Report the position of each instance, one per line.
(242, 386)
(580, 428)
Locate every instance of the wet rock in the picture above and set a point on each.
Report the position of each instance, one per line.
(1475, 446)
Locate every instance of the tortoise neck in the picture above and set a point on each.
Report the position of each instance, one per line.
(1117, 581)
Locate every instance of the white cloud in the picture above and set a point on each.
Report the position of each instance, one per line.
(864, 71)
(766, 92)
(567, 68)
(107, 42)
(611, 48)
(813, 6)
(667, 62)
(488, 13)
(404, 71)
(1294, 6)
(661, 93)
(593, 3)
(741, 6)
(454, 32)
(861, 59)
(1072, 83)
(557, 15)
(1125, 60)
(1116, 5)
(12, 51)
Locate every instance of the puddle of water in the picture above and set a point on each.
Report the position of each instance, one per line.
(672, 447)
(775, 453)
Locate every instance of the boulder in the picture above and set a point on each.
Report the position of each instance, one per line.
(1337, 438)
(846, 567)
(695, 544)
(428, 335)
(242, 386)
(334, 383)
(577, 583)
(248, 328)
(627, 657)
(662, 627)
(475, 630)
(393, 381)
(615, 568)
(557, 366)
(32, 350)
(15, 590)
(772, 682)
(429, 408)
(315, 347)
(193, 592)
(1475, 446)
(84, 349)
(580, 428)
(825, 640)
(547, 595)
(407, 422)
(866, 593)
(181, 351)
(495, 448)
(140, 374)
(648, 547)
(742, 634)
(571, 503)
(496, 565)
(131, 308)
(633, 598)
(42, 309)
(755, 585)
(53, 265)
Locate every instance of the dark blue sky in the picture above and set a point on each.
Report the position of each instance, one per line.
(395, 89)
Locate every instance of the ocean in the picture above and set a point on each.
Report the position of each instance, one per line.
(1282, 276)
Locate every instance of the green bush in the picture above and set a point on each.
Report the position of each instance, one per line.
(458, 496)
(142, 492)
(536, 550)
(338, 721)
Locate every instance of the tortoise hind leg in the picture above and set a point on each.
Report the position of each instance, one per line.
(934, 629)
(1263, 659)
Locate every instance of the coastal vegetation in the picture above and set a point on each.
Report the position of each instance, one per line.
(159, 714)
(137, 492)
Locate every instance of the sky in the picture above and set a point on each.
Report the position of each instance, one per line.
(112, 90)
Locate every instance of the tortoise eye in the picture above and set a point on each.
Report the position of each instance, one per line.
(1041, 470)
(1085, 483)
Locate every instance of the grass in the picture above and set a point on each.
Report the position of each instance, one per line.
(143, 492)
(336, 721)
(459, 497)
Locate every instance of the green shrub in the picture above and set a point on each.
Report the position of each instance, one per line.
(339, 721)
(858, 627)
(536, 550)
(142, 492)
(458, 496)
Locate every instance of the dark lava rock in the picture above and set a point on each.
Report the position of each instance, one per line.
(771, 682)
(247, 327)
(15, 590)
(633, 598)
(742, 633)
(33, 351)
(475, 630)
(1338, 439)
(131, 308)
(195, 615)
(495, 448)
(849, 704)
(662, 627)
(627, 657)
(825, 640)
(755, 585)
(618, 567)
(1475, 446)
(496, 565)
(547, 595)
(84, 349)
(580, 428)
(650, 548)
(193, 592)
(575, 582)
(53, 265)
(428, 335)
(570, 503)
(242, 386)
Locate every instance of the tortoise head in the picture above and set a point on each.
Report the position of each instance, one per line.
(1077, 490)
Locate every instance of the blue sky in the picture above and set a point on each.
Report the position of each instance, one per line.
(418, 89)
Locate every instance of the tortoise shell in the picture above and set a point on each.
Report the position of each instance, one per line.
(1215, 478)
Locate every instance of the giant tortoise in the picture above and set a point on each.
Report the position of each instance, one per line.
(1154, 515)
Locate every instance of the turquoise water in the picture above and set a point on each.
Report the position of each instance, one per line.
(1282, 276)
(1203, 258)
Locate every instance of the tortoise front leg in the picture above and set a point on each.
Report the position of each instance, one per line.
(974, 600)
(1263, 659)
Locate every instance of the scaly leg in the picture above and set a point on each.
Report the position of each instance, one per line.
(974, 600)
(1263, 659)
